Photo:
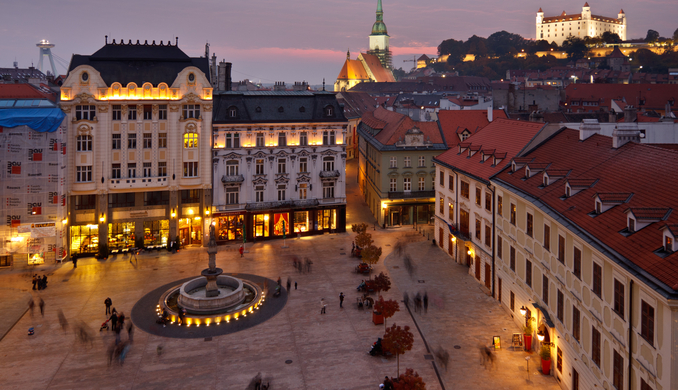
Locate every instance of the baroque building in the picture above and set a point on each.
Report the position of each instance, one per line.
(559, 28)
(279, 165)
(139, 117)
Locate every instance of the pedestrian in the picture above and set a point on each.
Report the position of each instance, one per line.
(406, 299)
(35, 281)
(108, 304)
(295, 285)
(279, 281)
(417, 302)
(388, 384)
(289, 284)
(241, 250)
(322, 305)
(130, 331)
(62, 320)
(75, 261)
(117, 330)
(181, 317)
(134, 254)
(31, 305)
(114, 319)
(341, 300)
(121, 320)
(44, 282)
(425, 302)
(42, 307)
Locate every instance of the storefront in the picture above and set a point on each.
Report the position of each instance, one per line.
(327, 219)
(301, 222)
(229, 227)
(156, 234)
(120, 237)
(409, 214)
(190, 231)
(84, 239)
(260, 225)
(281, 225)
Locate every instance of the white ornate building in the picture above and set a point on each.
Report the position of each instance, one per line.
(139, 119)
(279, 164)
(558, 28)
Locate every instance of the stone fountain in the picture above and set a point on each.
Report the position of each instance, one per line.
(214, 292)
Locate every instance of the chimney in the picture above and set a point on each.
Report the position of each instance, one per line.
(279, 86)
(536, 116)
(668, 113)
(489, 114)
(588, 127)
(612, 117)
(224, 78)
(630, 114)
(625, 132)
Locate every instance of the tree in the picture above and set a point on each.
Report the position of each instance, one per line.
(398, 74)
(386, 308)
(610, 37)
(503, 43)
(453, 48)
(477, 46)
(397, 340)
(381, 283)
(359, 228)
(651, 36)
(410, 380)
(371, 254)
(675, 36)
(575, 48)
(364, 240)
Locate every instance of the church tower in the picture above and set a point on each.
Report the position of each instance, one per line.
(379, 39)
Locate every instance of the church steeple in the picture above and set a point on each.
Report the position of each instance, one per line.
(379, 28)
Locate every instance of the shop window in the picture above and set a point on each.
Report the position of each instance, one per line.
(281, 221)
(156, 198)
(327, 219)
(156, 233)
(261, 225)
(229, 228)
(125, 199)
(84, 239)
(120, 236)
(85, 202)
(190, 196)
(301, 221)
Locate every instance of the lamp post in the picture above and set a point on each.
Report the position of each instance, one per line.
(527, 331)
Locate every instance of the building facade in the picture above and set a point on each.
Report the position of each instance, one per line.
(589, 255)
(395, 168)
(279, 165)
(33, 176)
(140, 172)
(559, 28)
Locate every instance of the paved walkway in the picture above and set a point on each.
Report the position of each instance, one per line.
(297, 349)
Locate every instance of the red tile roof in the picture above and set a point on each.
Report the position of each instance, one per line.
(504, 135)
(453, 122)
(393, 126)
(614, 197)
(380, 73)
(353, 70)
(633, 168)
(643, 96)
(22, 91)
(650, 213)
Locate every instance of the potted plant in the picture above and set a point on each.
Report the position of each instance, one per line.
(527, 336)
(545, 354)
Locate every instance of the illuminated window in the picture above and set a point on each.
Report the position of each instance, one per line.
(190, 140)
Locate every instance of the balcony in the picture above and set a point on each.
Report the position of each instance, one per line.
(138, 182)
(232, 179)
(329, 174)
(281, 204)
(411, 194)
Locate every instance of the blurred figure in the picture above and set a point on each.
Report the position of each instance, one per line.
(41, 303)
(425, 302)
(489, 358)
(62, 320)
(31, 305)
(406, 299)
(409, 265)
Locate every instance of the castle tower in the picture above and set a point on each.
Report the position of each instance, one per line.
(622, 18)
(540, 19)
(379, 39)
(45, 51)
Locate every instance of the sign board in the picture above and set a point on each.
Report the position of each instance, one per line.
(496, 341)
(138, 214)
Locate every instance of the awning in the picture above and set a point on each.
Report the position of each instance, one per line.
(545, 313)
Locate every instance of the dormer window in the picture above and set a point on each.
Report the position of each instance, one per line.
(546, 180)
(527, 173)
(631, 225)
(668, 244)
(329, 111)
(232, 112)
(599, 207)
(568, 191)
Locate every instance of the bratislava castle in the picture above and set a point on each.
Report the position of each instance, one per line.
(558, 28)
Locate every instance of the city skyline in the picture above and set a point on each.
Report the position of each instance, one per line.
(297, 40)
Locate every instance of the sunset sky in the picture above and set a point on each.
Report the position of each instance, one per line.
(292, 40)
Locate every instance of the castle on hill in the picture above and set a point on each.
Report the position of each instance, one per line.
(558, 28)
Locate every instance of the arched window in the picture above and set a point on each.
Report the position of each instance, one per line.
(84, 143)
(190, 140)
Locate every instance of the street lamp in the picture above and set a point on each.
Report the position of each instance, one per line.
(523, 311)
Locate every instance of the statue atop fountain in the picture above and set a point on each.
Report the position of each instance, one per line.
(212, 272)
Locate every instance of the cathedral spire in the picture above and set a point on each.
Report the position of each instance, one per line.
(380, 12)
(379, 28)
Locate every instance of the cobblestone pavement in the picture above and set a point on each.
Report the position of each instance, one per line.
(297, 349)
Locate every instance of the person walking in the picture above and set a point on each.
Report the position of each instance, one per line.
(44, 282)
(425, 302)
(289, 284)
(108, 304)
(114, 319)
(295, 285)
(130, 332)
(322, 305)
(35, 281)
(341, 300)
(117, 330)
(42, 307)
(241, 250)
(31, 305)
(121, 320)
(75, 261)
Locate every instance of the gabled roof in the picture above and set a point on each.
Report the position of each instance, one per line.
(393, 126)
(502, 135)
(632, 168)
(356, 103)
(139, 63)
(353, 70)
(453, 122)
(380, 73)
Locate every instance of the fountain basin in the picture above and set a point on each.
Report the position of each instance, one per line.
(192, 295)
